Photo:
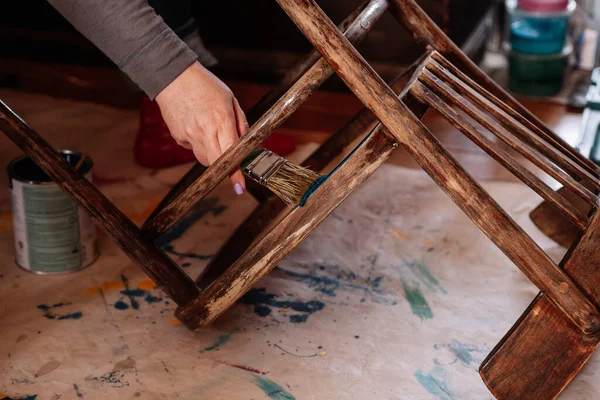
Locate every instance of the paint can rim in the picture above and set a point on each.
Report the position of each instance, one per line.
(87, 166)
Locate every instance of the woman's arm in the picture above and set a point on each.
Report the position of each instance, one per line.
(133, 36)
(200, 110)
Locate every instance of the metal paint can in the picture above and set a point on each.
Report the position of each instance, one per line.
(52, 234)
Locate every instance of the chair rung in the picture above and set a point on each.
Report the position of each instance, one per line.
(503, 157)
(440, 87)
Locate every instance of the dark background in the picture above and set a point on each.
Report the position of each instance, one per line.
(33, 30)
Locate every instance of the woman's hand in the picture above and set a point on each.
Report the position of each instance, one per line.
(203, 115)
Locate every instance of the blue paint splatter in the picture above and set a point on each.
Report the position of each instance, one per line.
(132, 295)
(463, 352)
(435, 383)
(121, 305)
(27, 397)
(262, 311)
(329, 279)
(152, 299)
(263, 302)
(77, 391)
(298, 318)
(48, 313)
(171, 250)
(133, 292)
(271, 389)
(375, 283)
(112, 379)
(221, 340)
(204, 207)
(75, 315)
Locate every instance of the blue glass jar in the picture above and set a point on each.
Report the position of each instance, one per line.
(538, 32)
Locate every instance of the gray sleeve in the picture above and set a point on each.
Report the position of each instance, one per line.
(133, 36)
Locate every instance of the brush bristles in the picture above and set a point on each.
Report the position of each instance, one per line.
(291, 182)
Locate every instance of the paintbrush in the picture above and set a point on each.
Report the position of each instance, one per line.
(288, 181)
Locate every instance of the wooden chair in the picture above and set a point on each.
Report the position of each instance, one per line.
(557, 333)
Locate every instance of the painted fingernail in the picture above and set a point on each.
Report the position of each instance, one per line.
(238, 189)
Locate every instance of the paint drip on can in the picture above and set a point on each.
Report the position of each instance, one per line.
(52, 234)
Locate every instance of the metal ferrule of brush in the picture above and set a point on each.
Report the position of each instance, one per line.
(264, 166)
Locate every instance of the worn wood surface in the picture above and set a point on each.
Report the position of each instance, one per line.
(359, 126)
(440, 165)
(499, 154)
(511, 119)
(353, 29)
(264, 256)
(287, 104)
(503, 126)
(504, 134)
(543, 352)
(169, 277)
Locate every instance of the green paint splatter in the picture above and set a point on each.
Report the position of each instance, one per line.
(434, 383)
(221, 340)
(271, 389)
(423, 275)
(417, 302)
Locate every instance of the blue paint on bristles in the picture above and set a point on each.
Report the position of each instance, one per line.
(321, 180)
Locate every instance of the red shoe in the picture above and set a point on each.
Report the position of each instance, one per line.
(155, 147)
(280, 144)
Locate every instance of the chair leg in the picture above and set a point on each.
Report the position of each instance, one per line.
(543, 351)
(188, 192)
(167, 275)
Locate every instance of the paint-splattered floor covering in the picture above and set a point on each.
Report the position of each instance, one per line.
(396, 296)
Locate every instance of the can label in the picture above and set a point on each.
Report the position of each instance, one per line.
(52, 234)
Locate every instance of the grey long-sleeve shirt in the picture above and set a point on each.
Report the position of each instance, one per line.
(135, 38)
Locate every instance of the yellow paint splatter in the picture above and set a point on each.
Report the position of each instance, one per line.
(146, 284)
(406, 236)
(140, 211)
(175, 322)
(104, 287)
(399, 234)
